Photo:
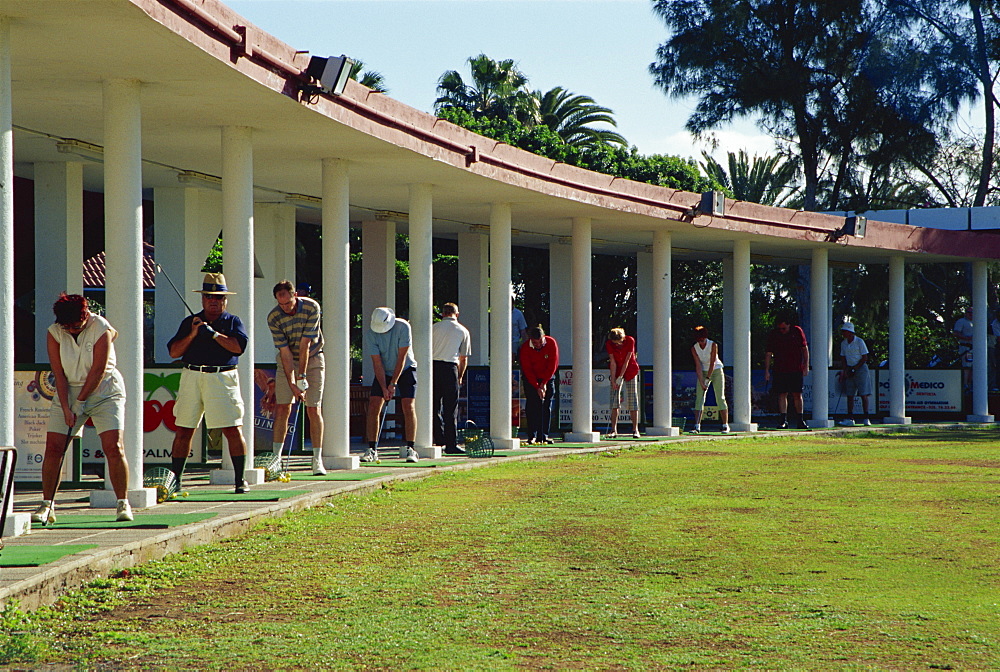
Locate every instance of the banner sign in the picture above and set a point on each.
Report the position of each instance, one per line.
(33, 394)
(927, 390)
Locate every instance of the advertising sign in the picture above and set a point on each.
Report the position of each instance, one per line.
(927, 390)
(33, 394)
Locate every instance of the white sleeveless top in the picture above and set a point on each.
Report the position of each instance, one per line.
(705, 355)
(77, 354)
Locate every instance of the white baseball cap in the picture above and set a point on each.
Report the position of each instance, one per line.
(847, 326)
(382, 320)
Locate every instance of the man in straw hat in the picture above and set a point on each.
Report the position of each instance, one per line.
(854, 374)
(209, 344)
(389, 341)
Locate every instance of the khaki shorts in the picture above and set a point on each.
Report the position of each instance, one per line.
(315, 373)
(105, 405)
(626, 397)
(216, 396)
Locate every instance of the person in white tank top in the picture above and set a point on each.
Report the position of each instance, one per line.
(708, 366)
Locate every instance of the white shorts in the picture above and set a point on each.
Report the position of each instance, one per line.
(105, 405)
(213, 395)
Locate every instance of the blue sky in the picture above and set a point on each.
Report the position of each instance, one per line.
(600, 48)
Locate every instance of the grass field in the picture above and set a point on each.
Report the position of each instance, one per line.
(856, 552)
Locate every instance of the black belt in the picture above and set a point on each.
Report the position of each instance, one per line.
(209, 369)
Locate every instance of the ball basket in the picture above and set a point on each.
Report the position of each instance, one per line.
(271, 464)
(164, 481)
(478, 443)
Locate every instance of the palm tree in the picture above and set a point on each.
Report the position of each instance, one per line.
(498, 91)
(570, 116)
(767, 179)
(373, 79)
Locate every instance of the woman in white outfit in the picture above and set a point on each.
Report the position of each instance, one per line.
(82, 356)
(708, 366)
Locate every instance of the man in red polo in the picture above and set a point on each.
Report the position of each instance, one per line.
(539, 359)
(788, 348)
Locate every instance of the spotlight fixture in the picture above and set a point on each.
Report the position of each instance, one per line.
(713, 203)
(196, 179)
(331, 73)
(82, 149)
(856, 226)
(304, 201)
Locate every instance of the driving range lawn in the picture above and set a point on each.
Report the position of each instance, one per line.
(859, 551)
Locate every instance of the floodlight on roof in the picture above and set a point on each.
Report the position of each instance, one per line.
(332, 73)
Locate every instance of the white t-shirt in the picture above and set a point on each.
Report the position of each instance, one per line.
(77, 354)
(450, 340)
(853, 351)
(963, 327)
(705, 355)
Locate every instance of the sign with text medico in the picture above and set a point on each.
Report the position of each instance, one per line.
(927, 390)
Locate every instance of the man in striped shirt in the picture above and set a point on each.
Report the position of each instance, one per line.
(295, 328)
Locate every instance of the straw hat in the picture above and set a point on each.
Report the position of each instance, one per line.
(214, 283)
(382, 320)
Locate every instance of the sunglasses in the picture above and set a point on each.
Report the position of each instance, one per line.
(215, 297)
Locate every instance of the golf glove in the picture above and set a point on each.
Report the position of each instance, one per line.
(207, 330)
(302, 383)
(76, 408)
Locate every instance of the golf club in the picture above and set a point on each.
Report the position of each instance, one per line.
(381, 422)
(293, 419)
(50, 518)
(174, 287)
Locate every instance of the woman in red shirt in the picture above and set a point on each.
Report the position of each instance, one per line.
(539, 359)
(624, 377)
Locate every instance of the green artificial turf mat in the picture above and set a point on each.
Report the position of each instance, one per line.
(513, 453)
(32, 556)
(252, 495)
(339, 476)
(107, 521)
(397, 462)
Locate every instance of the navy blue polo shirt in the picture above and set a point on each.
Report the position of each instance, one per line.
(205, 350)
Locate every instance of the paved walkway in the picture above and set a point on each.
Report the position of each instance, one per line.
(117, 548)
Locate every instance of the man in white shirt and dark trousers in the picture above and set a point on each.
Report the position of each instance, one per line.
(451, 350)
(854, 374)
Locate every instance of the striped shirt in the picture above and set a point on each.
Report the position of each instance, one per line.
(288, 330)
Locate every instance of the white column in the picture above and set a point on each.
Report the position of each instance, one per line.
(560, 325)
(728, 286)
(897, 345)
(17, 523)
(663, 386)
(501, 360)
(378, 284)
(819, 357)
(980, 320)
(583, 359)
(123, 246)
(58, 241)
(740, 412)
(337, 315)
(274, 248)
(237, 265)
(644, 307)
(474, 292)
(421, 313)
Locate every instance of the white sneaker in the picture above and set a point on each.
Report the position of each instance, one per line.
(44, 514)
(866, 422)
(371, 455)
(318, 468)
(411, 455)
(725, 429)
(695, 430)
(124, 512)
(846, 422)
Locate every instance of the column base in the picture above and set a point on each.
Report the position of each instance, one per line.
(143, 498)
(341, 463)
(897, 420)
(17, 524)
(979, 418)
(663, 431)
(228, 477)
(425, 452)
(743, 426)
(820, 424)
(582, 437)
(506, 444)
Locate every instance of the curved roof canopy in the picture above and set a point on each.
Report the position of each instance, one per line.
(203, 67)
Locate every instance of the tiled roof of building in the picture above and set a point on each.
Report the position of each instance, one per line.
(93, 270)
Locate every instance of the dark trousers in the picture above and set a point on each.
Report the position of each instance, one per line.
(445, 403)
(539, 411)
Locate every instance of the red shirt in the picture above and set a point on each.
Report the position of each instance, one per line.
(538, 366)
(624, 353)
(787, 349)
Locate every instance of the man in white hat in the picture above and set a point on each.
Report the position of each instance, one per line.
(209, 344)
(389, 341)
(854, 374)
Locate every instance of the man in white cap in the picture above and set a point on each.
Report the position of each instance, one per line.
(854, 374)
(389, 341)
(209, 344)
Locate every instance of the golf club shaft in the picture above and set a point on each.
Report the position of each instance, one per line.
(381, 422)
(292, 421)
(174, 287)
